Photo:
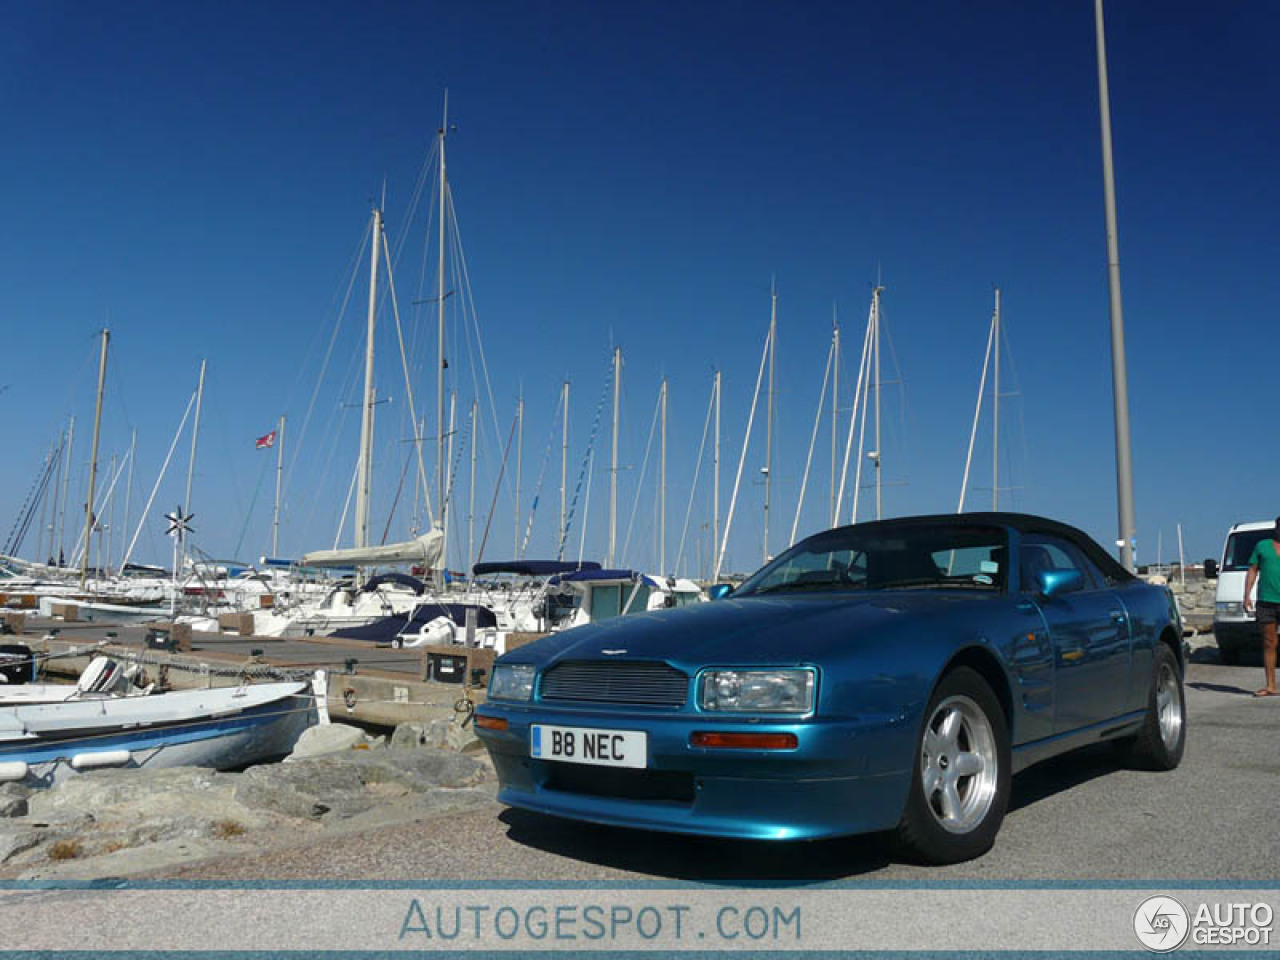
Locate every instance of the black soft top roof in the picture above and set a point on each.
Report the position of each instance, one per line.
(1023, 522)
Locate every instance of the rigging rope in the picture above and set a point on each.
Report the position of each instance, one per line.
(586, 459)
(697, 469)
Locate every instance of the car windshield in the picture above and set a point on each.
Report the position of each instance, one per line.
(887, 557)
(1240, 547)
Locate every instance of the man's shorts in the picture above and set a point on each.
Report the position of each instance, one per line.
(1268, 612)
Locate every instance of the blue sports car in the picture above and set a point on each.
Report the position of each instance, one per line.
(882, 676)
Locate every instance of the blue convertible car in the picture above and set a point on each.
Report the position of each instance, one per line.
(882, 676)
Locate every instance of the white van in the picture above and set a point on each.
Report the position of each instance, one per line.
(1235, 630)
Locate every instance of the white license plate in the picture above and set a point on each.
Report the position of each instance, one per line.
(604, 748)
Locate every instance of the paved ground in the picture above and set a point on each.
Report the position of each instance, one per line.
(1078, 817)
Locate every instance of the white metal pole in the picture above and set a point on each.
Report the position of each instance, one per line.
(440, 358)
(93, 459)
(275, 518)
(471, 504)
(742, 459)
(564, 459)
(977, 413)
(613, 463)
(768, 435)
(813, 440)
(519, 471)
(191, 467)
(66, 488)
(715, 483)
(995, 411)
(662, 488)
(1119, 371)
(835, 407)
(365, 478)
(1182, 563)
(128, 491)
(859, 396)
(879, 452)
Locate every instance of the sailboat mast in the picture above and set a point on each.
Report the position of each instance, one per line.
(564, 458)
(191, 464)
(715, 483)
(835, 406)
(519, 472)
(768, 430)
(66, 487)
(93, 459)
(365, 473)
(995, 409)
(471, 506)
(275, 517)
(613, 463)
(662, 488)
(876, 346)
(440, 358)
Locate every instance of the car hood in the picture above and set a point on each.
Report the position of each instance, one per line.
(752, 630)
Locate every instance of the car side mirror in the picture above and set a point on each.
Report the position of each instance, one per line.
(1051, 583)
(718, 591)
(1211, 569)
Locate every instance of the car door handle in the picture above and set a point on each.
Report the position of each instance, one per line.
(1119, 616)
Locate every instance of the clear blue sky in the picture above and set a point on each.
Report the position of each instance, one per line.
(198, 177)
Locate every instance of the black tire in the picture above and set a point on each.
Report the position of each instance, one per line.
(1157, 747)
(921, 832)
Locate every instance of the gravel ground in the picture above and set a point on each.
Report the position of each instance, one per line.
(1077, 817)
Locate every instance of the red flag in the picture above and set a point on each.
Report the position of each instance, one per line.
(264, 442)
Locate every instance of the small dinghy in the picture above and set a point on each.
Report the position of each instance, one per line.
(219, 727)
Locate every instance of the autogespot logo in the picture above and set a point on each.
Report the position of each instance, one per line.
(1161, 923)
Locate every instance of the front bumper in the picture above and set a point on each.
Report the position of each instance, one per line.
(845, 776)
(1237, 632)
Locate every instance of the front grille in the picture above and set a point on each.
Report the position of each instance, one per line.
(672, 786)
(632, 682)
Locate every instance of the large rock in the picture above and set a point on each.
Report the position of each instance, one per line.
(96, 790)
(305, 789)
(13, 800)
(342, 785)
(16, 839)
(330, 738)
(440, 734)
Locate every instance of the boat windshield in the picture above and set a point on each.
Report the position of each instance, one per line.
(888, 557)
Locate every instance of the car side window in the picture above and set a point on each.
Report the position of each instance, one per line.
(1041, 552)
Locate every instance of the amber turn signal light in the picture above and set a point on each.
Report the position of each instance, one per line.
(490, 723)
(745, 741)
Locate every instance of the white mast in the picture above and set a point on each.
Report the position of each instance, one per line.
(995, 410)
(715, 483)
(662, 488)
(444, 517)
(66, 486)
(275, 518)
(191, 468)
(613, 463)
(519, 470)
(835, 407)
(768, 434)
(93, 459)
(977, 411)
(128, 491)
(365, 468)
(564, 458)
(876, 341)
(471, 504)
(440, 358)
(813, 440)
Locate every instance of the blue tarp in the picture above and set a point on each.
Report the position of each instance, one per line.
(532, 568)
(601, 576)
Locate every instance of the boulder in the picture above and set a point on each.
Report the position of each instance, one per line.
(14, 840)
(13, 800)
(306, 789)
(95, 790)
(330, 738)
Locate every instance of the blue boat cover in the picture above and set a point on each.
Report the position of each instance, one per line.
(532, 568)
(403, 579)
(385, 630)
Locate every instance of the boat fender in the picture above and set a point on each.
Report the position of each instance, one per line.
(12, 770)
(102, 758)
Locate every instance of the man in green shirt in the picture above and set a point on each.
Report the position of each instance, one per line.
(1264, 569)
